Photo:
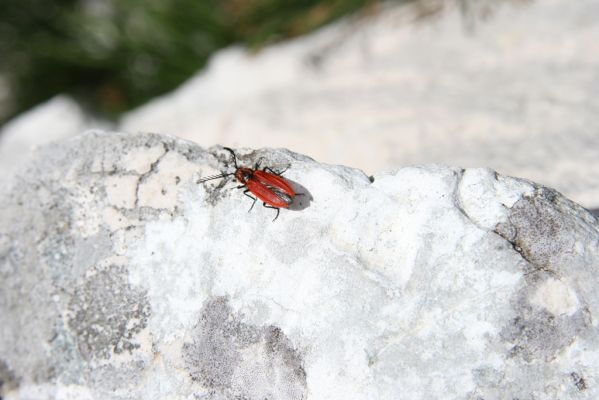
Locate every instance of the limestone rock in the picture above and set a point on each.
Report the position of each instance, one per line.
(122, 278)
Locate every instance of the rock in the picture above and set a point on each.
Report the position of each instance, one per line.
(122, 278)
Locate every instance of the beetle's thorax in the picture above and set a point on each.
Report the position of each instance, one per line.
(244, 174)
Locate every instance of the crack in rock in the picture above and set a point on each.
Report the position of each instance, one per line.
(143, 177)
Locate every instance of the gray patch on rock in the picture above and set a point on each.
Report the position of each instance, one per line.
(538, 230)
(106, 313)
(235, 360)
(87, 252)
(578, 381)
(56, 242)
(216, 192)
(65, 363)
(539, 335)
(536, 334)
(26, 233)
(540, 233)
(8, 380)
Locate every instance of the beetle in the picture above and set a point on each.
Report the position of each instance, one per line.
(266, 184)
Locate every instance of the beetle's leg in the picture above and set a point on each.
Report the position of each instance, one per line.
(272, 171)
(253, 198)
(257, 165)
(274, 208)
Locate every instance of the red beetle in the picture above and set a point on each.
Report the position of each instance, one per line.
(266, 184)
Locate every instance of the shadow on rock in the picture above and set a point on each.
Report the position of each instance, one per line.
(302, 197)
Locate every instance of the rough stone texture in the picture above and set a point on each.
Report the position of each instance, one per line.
(122, 278)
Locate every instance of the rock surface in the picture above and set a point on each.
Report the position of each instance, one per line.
(122, 278)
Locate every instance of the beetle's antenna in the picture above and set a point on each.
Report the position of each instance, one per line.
(233, 156)
(208, 178)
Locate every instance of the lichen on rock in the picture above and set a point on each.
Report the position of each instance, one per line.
(105, 313)
(236, 360)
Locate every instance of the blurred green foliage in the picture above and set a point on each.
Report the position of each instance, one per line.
(116, 54)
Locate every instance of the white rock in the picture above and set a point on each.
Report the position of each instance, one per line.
(556, 297)
(430, 282)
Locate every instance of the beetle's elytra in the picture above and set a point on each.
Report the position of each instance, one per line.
(265, 184)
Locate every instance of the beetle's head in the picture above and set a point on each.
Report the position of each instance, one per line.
(244, 174)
